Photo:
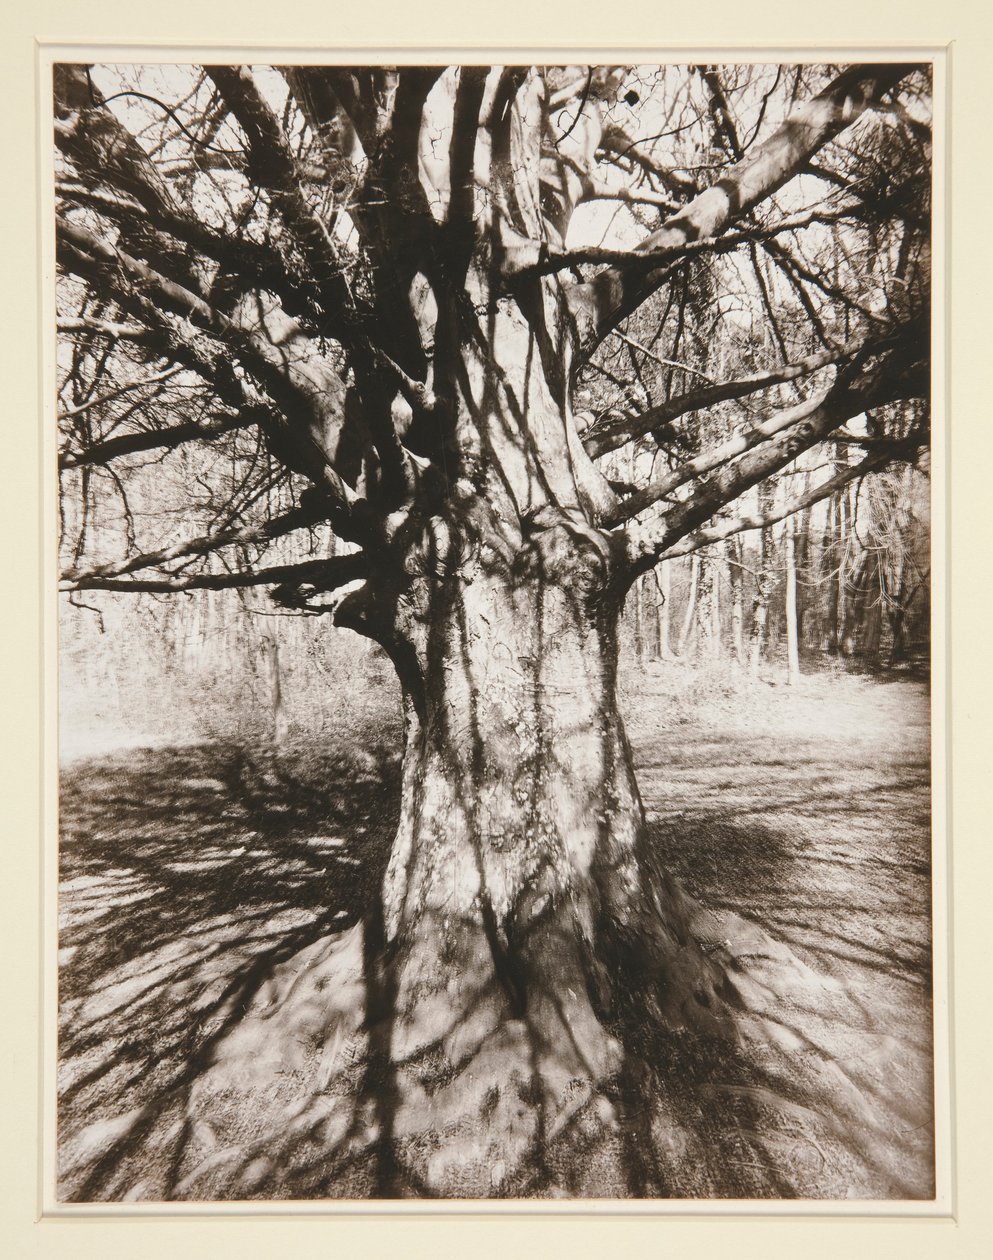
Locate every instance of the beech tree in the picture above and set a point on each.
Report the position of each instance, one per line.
(347, 333)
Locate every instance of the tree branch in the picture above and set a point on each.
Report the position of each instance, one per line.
(761, 520)
(96, 258)
(168, 438)
(271, 163)
(609, 436)
(101, 399)
(902, 372)
(541, 258)
(295, 382)
(104, 328)
(329, 573)
(716, 457)
(601, 303)
(298, 518)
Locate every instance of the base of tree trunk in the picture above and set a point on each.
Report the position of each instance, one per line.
(727, 1069)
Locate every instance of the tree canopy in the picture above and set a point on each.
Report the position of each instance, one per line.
(278, 286)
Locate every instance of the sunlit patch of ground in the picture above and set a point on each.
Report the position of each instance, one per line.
(207, 898)
(809, 813)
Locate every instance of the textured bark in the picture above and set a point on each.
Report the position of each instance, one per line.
(519, 920)
(519, 822)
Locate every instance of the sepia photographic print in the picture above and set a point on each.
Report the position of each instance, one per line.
(495, 632)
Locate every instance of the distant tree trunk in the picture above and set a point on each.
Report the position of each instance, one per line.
(718, 565)
(636, 598)
(864, 609)
(792, 625)
(663, 583)
(872, 628)
(832, 553)
(273, 669)
(845, 597)
(764, 583)
(801, 535)
(689, 620)
(708, 637)
(760, 619)
(898, 648)
(737, 601)
(896, 610)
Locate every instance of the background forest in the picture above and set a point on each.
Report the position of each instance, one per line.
(842, 587)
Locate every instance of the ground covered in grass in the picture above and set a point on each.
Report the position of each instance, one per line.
(207, 893)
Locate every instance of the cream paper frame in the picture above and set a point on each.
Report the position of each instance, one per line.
(959, 1221)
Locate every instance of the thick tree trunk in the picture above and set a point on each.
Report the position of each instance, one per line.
(517, 840)
(521, 927)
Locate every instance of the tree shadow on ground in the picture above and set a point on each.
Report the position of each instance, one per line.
(189, 878)
(824, 841)
(830, 1093)
(215, 981)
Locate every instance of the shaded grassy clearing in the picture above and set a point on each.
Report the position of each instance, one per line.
(208, 896)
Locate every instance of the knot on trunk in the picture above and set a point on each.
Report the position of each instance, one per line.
(565, 552)
(443, 549)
